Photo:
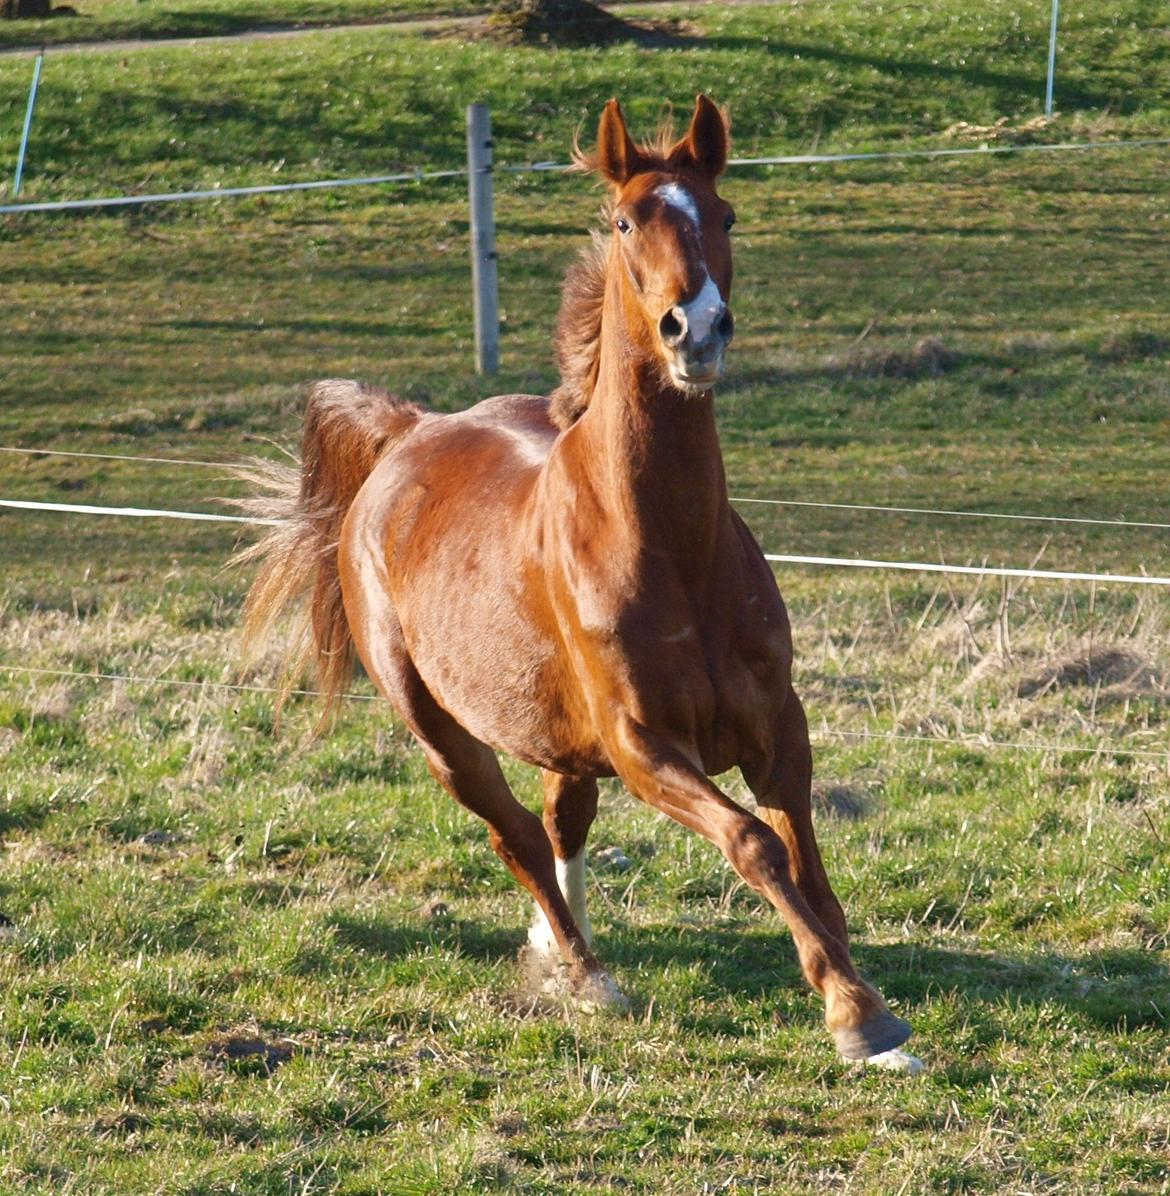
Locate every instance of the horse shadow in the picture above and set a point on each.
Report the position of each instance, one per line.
(1116, 990)
(391, 938)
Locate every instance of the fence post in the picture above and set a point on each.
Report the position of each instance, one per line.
(28, 115)
(1051, 57)
(484, 274)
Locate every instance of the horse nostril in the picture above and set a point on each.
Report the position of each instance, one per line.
(725, 325)
(673, 326)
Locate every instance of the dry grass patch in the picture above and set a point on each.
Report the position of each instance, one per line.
(928, 357)
(1098, 666)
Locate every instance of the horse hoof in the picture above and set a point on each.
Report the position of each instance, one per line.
(597, 993)
(897, 1060)
(879, 1034)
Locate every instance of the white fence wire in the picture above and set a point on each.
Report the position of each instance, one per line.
(227, 467)
(966, 742)
(421, 176)
(1139, 579)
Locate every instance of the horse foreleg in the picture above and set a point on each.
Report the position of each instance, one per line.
(662, 774)
(570, 806)
(783, 789)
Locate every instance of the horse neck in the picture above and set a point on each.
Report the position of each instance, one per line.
(651, 452)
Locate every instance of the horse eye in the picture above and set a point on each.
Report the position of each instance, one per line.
(728, 221)
(623, 226)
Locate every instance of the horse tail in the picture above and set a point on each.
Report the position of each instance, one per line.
(348, 427)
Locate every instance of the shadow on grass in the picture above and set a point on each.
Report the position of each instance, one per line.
(390, 939)
(1009, 86)
(1115, 990)
(351, 328)
(22, 815)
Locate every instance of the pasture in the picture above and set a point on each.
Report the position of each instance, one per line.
(240, 957)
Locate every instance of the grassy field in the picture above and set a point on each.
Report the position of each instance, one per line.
(239, 958)
(832, 75)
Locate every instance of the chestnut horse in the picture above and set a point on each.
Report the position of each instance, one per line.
(566, 582)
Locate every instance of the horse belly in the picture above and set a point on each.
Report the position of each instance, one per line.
(495, 672)
(468, 593)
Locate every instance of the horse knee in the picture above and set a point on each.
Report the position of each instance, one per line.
(755, 851)
(522, 841)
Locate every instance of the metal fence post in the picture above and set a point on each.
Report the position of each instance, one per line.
(1051, 57)
(484, 274)
(28, 115)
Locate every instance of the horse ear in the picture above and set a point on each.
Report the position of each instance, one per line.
(617, 156)
(704, 148)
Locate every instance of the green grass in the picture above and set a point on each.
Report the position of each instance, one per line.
(230, 968)
(829, 75)
(183, 879)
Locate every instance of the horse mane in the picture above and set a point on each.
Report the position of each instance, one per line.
(578, 335)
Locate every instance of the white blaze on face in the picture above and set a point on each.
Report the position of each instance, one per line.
(707, 306)
(703, 310)
(681, 199)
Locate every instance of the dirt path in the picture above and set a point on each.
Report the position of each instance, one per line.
(402, 24)
(266, 33)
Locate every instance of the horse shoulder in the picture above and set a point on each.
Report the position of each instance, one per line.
(762, 604)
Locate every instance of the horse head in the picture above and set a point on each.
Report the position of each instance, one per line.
(671, 233)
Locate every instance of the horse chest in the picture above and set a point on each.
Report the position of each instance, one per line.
(746, 693)
(703, 678)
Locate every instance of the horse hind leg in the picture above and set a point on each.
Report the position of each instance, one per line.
(468, 769)
(570, 806)
(470, 772)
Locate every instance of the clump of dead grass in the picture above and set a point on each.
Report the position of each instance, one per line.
(1096, 665)
(135, 421)
(55, 701)
(928, 357)
(1002, 129)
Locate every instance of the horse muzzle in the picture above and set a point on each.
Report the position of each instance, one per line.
(695, 336)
